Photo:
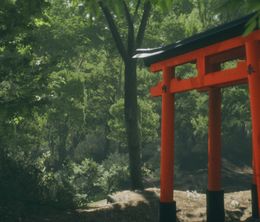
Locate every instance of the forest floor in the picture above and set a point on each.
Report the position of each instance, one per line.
(142, 206)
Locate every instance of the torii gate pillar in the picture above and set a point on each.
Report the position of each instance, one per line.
(252, 59)
(208, 51)
(215, 195)
(167, 205)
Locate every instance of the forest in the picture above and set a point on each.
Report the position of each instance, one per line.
(77, 121)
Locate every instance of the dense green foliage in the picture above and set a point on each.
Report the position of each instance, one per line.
(63, 138)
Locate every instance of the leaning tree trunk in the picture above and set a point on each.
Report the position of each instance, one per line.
(131, 121)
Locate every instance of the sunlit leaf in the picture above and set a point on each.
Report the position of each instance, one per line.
(251, 25)
(259, 21)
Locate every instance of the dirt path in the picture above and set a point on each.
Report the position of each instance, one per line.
(143, 206)
(129, 206)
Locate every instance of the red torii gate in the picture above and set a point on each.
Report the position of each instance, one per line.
(207, 50)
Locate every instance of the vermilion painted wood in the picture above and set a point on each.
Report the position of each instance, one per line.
(221, 79)
(209, 77)
(235, 53)
(217, 53)
(253, 168)
(204, 52)
(167, 140)
(214, 140)
(252, 54)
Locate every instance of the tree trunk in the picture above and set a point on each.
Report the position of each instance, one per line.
(131, 121)
(107, 142)
(61, 146)
(131, 107)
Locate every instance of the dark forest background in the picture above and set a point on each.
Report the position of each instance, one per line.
(64, 139)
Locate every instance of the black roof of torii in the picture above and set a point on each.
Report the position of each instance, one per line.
(209, 37)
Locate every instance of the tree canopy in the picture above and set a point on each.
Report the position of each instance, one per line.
(76, 118)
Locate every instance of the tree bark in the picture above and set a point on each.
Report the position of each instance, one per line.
(131, 121)
(61, 146)
(131, 105)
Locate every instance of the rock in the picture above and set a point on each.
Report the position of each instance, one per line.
(111, 199)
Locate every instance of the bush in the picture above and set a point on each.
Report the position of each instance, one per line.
(19, 187)
(83, 179)
(19, 181)
(114, 174)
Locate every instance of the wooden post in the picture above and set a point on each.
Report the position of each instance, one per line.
(215, 196)
(254, 199)
(214, 140)
(253, 68)
(167, 205)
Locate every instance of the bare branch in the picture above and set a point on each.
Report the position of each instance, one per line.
(143, 24)
(137, 8)
(114, 30)
(130, 36)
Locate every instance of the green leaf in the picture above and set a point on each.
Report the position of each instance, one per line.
(117, 7)
(230, 5)
(253, 5)
(250, 26)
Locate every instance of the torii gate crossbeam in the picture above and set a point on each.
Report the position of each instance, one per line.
(208, 51)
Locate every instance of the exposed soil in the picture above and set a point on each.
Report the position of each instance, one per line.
(143, 206)
(234, 178)
(137, 206)
(130, 206)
